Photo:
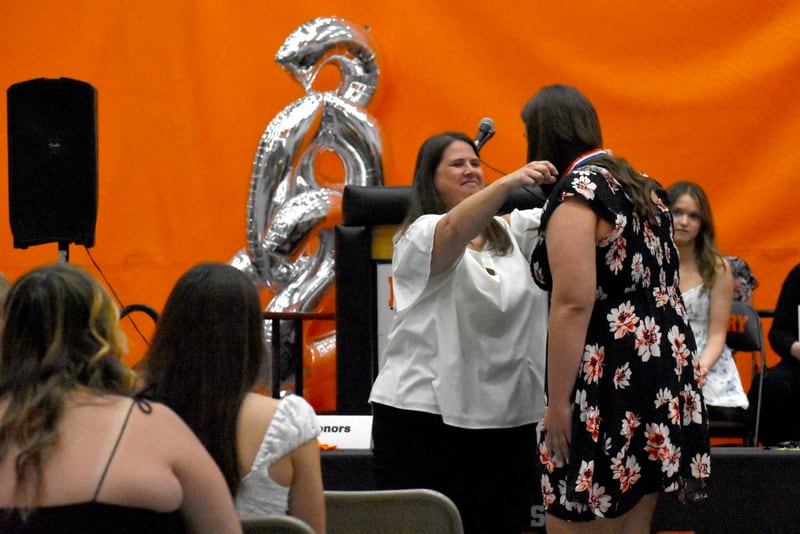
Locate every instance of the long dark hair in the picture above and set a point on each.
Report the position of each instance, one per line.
(425, 199)
(705, 245)
(206, 355)
(60, 331)
(561, 124)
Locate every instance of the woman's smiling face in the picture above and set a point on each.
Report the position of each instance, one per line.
(459, 173)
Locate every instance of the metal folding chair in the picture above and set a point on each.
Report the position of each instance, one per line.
(417, 511)
(745, 334)
(275, 524)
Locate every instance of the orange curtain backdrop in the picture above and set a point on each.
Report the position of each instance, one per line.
(706, 91)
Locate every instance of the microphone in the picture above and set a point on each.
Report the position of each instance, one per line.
(485, 132)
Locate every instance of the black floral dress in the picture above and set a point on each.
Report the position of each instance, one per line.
(639, 422)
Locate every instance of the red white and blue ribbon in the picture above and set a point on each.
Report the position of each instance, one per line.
(596, 153)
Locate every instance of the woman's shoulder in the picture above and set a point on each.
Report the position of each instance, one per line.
(151, 420)
(593, 186)
(150, 428)
(419, 228)
(256, 412)
(263, 408)
(261, 404)
(98, 405)
(297, 406)
(280, 427)
(723, 286)
(295, 419)
(723, 267)
(589, 182)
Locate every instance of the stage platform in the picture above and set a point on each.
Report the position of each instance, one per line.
(752, 490)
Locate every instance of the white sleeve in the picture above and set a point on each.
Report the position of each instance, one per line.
(411, 261)
(293, 425)
(524, 226)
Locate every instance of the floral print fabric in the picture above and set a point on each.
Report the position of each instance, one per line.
(744, 281)
(639, 422)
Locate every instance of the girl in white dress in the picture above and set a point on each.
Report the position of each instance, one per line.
(707, 287)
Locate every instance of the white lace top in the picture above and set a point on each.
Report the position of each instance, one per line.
(293, 425)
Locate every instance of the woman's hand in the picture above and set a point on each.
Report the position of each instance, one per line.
(535, 172)
(467, 219)
(558, 427)
(703, 370)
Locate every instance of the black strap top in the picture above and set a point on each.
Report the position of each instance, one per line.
(90, 518)
(93, 517)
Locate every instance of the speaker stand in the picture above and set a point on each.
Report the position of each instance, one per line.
(63, 252)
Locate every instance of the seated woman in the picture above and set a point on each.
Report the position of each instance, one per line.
(204, 361)
(707, 286)
(780, 400)
(77, 454)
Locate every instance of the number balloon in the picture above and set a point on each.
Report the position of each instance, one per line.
(290, 215)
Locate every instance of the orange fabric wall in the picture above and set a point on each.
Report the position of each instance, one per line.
(706, 91)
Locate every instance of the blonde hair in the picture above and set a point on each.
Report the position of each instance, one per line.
(60, 332)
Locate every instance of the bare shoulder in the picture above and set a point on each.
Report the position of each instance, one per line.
(156, 422)
(722, 289)
(257, 409)
(724, 269)
(255, 416)
(158, 413)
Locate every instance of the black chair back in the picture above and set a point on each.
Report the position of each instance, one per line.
(745, 334)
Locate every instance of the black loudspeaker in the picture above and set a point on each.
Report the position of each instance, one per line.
(52, 162)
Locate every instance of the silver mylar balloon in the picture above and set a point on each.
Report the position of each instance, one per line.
(351, 133)
(332, 40)
(293, 222)
(331, 120)
(286, 204)
(241, 260)
(284, 164)
(305, 290)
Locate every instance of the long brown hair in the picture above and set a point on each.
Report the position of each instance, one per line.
(561, 124)
(60, 332)
(206, 354)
